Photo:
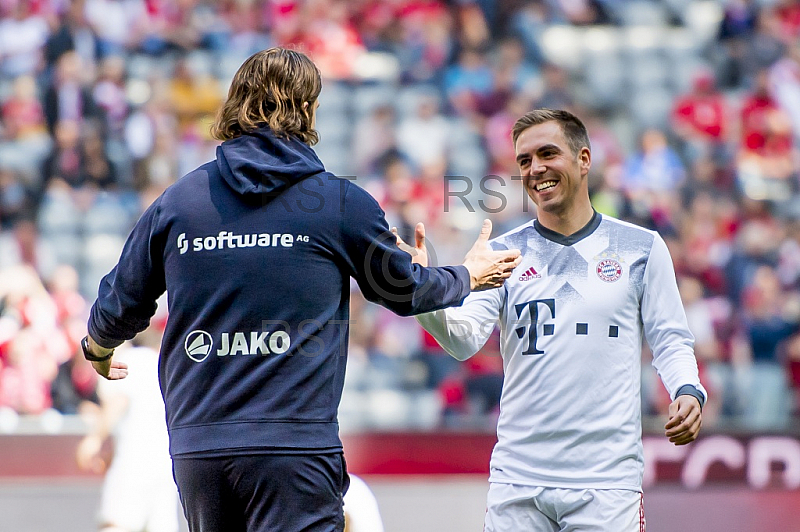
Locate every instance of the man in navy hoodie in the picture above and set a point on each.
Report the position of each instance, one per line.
(255, 251)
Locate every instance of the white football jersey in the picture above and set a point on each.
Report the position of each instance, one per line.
(571, 319)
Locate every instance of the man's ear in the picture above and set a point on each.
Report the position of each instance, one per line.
(585, 160)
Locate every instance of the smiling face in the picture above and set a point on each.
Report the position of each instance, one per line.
(554, 177)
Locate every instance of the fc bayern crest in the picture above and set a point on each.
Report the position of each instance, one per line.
(609, 270)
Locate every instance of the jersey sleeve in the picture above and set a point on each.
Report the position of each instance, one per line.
(462, 331)
(665, 325)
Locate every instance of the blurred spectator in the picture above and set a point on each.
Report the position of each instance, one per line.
(497, 132)
(767, 160)
(22, 114)
(22, 35)
(701, 119)
(168, 27)
(373, 137)
(109, 94)
(74, 387)
(194, 97)
(706, 242)
(789, 257)
(26, 374)
(475, 388)
(737, 28)
(656, 167)
(788, 13)
(65, 164)
(757, 244)
(150, 139)
(16, 201)
(784, 79)
(529, 22)
(63, 286)
(468, 80)
(607, 152)
(769, 320)
(73, 33)
(331, 39)
(22, 247)
(765, 47)
(556, 93)
(30, 344)
(68, 98)
(793, 363)
(424, 42)
(112, 23)
(424, 137)
(473, 28)
(713, 369)
(584, 12)
(99, 170)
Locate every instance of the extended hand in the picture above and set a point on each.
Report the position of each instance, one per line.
(108, 369)
(419, 253)
(111, 369)
(685, 420)
(489, 268)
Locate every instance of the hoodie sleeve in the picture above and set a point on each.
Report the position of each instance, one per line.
(127, 296)
(385, 273)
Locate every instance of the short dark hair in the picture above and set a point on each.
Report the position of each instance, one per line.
(278, 88)
(572, 127)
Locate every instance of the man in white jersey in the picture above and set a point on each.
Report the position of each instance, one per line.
(572, 316)
(139, 492)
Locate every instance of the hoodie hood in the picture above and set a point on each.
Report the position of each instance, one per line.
(259, 164)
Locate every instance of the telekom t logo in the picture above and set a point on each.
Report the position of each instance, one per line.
(548, 329)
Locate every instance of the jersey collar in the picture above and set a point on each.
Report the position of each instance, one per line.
(575, 237)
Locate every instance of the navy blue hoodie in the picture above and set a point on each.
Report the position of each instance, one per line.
(256, 251)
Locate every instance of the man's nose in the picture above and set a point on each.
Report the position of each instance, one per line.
(537, 168)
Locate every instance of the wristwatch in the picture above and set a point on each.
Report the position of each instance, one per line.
(88, 354)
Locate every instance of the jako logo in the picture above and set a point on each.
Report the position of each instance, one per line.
(198, 345)
(183, 244)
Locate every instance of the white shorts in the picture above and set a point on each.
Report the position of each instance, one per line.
(511, 508)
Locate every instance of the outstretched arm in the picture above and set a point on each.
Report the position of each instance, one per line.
(387, 275)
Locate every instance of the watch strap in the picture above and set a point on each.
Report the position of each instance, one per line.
(87, 354)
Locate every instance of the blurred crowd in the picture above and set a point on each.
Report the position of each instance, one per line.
(693, 109)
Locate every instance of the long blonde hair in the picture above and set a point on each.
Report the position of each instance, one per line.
(277, 87)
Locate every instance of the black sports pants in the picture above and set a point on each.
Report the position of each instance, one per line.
(263, 492)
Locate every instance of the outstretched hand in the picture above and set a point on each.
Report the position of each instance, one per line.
(111, 369)
(489, 268)
(108, 369)
(419, 253)
(685, 420)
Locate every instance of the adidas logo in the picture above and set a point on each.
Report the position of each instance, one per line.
(529, 274)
